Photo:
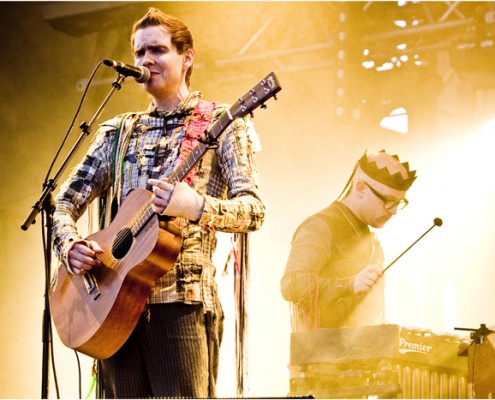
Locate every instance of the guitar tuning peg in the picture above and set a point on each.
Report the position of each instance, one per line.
(275, 97)
(251, 114)
(263, 106)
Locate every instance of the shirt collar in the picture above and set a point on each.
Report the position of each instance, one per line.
(183, 108)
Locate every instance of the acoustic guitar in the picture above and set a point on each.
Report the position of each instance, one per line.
(95, 313)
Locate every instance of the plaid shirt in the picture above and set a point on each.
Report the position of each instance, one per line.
(149, 147)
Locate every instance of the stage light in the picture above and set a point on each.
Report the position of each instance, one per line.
(397, 121)
(385, 67)
(368, 64)
(487, 43)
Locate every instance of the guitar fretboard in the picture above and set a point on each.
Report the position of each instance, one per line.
(198, 152)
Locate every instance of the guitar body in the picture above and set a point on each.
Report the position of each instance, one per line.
(97, 317)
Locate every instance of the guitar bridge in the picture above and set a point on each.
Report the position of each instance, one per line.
(91, 285)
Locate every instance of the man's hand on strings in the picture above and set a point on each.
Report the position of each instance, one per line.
(82, 256)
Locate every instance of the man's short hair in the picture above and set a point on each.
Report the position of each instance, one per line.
(181, 36)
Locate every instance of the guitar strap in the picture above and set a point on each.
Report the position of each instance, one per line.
(108, 204)
(196, 125)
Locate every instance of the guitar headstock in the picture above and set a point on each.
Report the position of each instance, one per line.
(256, 97)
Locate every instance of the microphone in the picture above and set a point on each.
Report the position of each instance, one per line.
(436, 222)
(140, 74)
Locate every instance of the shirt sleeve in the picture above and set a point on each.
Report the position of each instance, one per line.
(243, 209)
(90, 178)
(302, 282)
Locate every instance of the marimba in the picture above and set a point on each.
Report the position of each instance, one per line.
(384, 361)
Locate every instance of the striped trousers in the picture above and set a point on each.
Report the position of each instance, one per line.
(173, 352)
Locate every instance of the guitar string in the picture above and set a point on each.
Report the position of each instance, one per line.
(143, 215)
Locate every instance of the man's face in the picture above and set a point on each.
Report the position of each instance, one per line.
(381, 202)
(153, 49)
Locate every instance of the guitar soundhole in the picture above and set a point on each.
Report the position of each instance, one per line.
(122, 243)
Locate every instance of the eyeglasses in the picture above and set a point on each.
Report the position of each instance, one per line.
(388, 204)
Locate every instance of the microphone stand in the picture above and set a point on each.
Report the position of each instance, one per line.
(45, 204)
(241, 285)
